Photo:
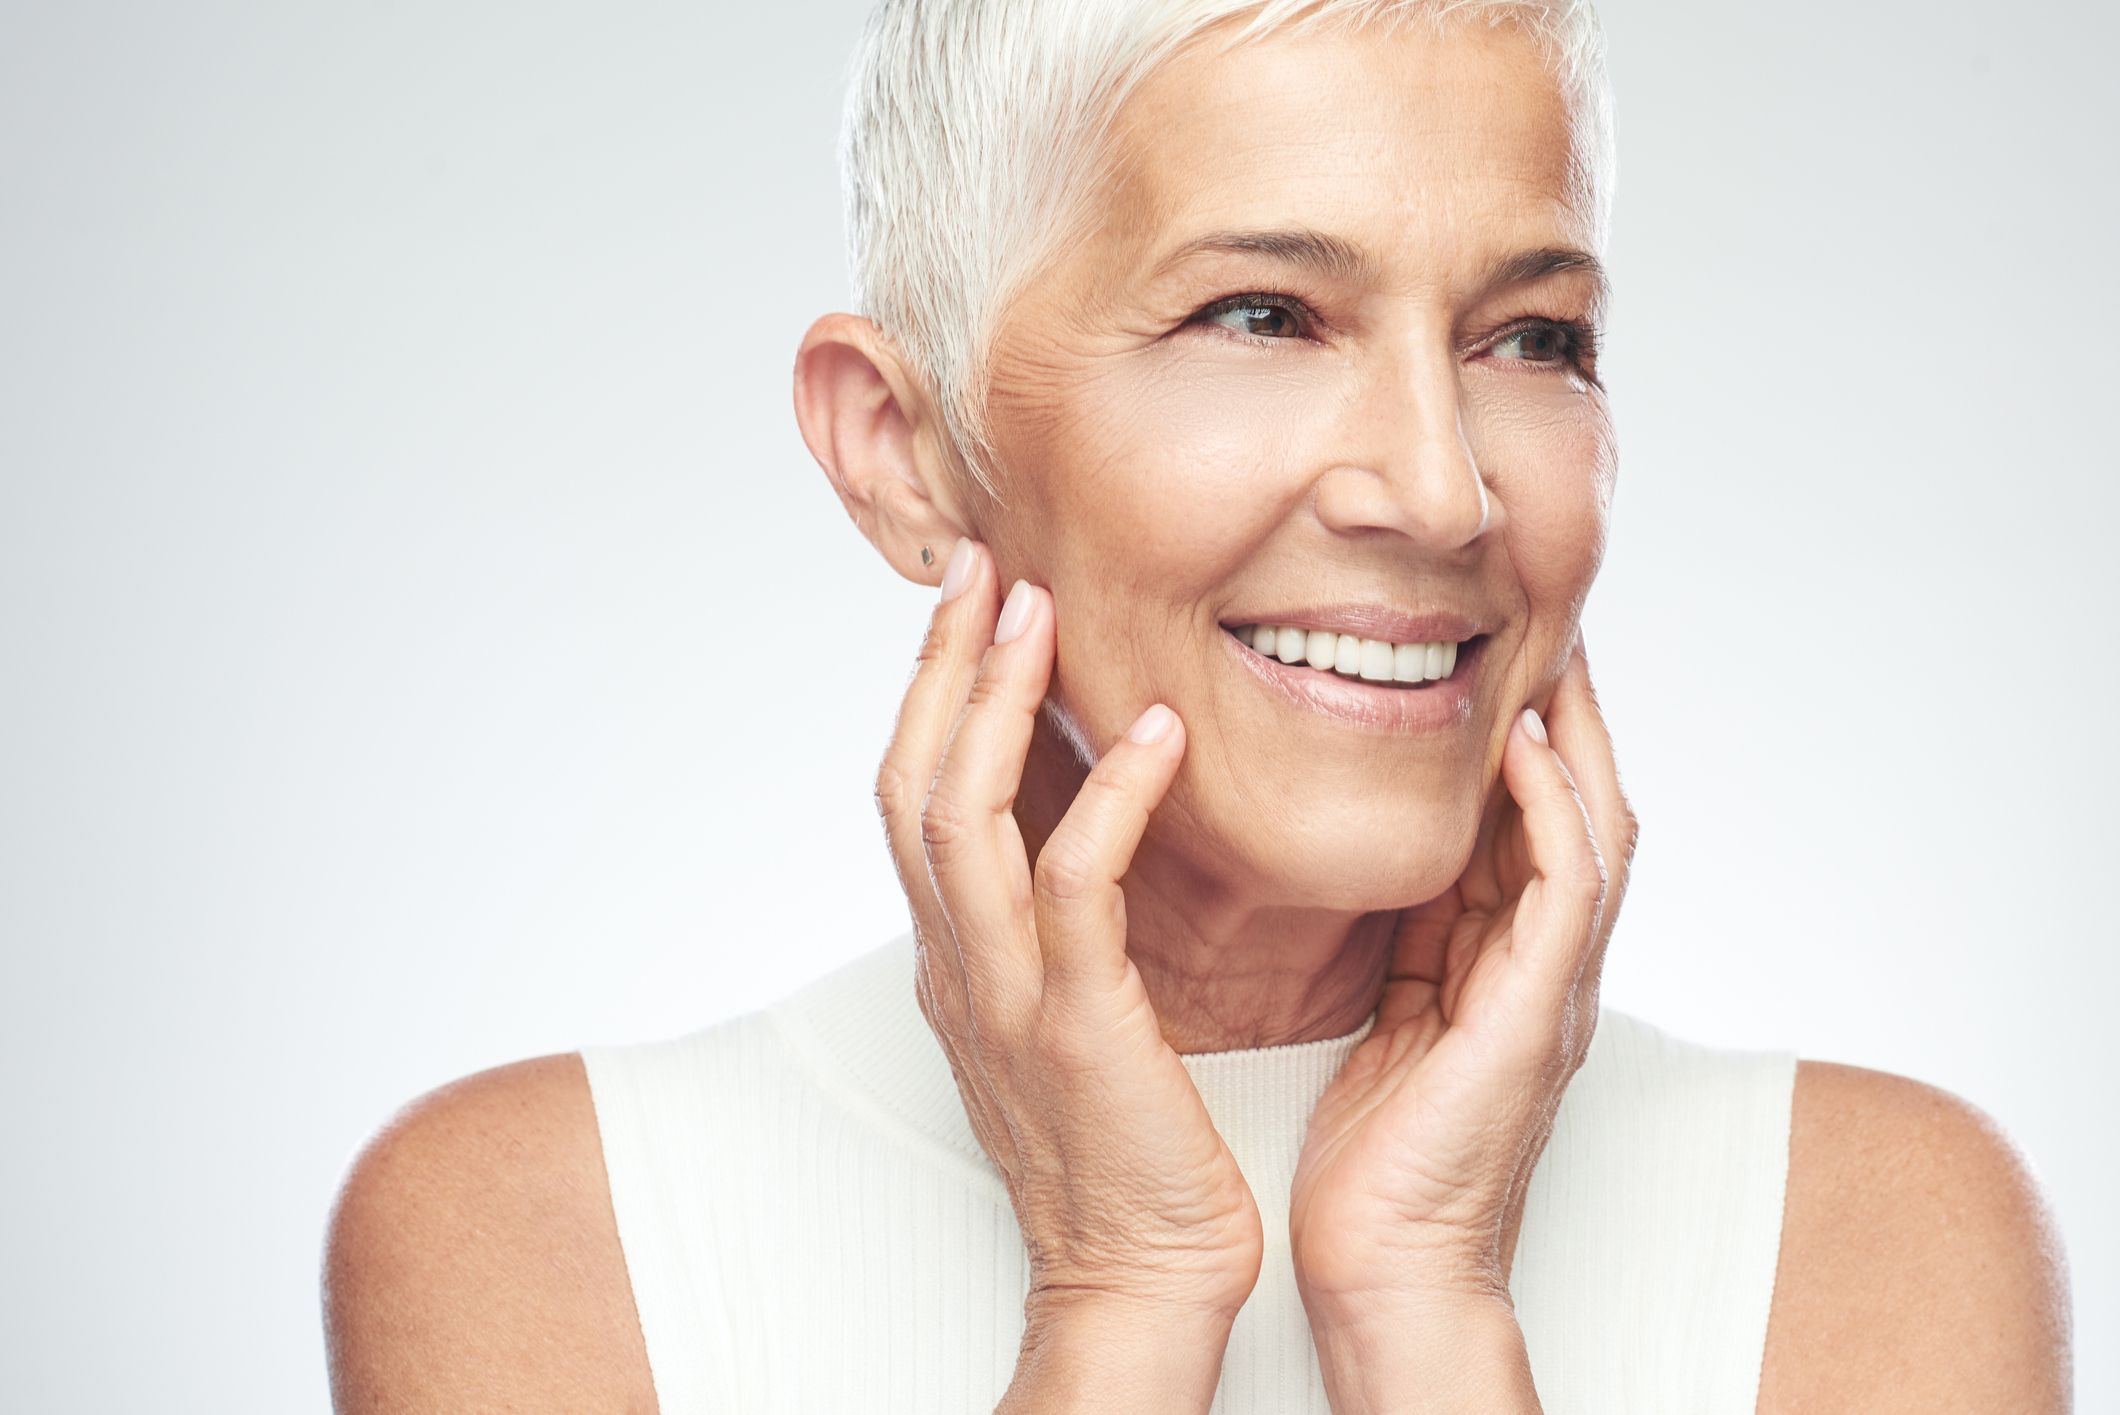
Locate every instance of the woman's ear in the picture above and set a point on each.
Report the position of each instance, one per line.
(874, 432)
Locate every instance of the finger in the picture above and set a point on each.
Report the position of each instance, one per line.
(975, 853)
(1419, 959)
(958, 631)
(1576, 724)
(1557, 912)
(1081, 911)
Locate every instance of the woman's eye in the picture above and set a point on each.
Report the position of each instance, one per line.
(1257, 316)
(1549, 341)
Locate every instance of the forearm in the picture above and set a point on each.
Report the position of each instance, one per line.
(1454, 1358)
(1106, 1356)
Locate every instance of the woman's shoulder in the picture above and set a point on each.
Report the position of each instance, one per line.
(1913, 1226)
(1916, 1265)
(472, 1257)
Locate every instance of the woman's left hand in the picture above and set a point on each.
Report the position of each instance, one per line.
(1411, 1183)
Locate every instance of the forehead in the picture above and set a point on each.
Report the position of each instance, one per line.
(1424, 148)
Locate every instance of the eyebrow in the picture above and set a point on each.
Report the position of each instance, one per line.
(1339, 259)
(1316, 250)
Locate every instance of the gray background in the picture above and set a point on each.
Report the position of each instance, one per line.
(396, 456)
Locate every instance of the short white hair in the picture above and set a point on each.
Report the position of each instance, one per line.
(975, 132)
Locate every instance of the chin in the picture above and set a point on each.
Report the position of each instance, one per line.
(1354, 852)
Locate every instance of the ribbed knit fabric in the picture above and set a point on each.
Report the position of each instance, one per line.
(810, 1224)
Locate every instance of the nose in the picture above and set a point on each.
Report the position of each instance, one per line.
(1409, 466)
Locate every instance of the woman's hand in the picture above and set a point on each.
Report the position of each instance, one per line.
(1128, 1199)
(1412, 1179)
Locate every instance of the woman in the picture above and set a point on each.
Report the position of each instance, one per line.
(1234, 372)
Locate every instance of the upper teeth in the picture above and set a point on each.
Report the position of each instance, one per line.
(1374, 659)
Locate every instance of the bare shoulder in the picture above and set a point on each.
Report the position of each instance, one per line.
(1921, 1268)
(472, 1261)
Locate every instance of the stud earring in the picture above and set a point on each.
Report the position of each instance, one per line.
(927, 557)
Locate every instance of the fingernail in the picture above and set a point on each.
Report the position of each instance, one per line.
(958, 572)
(1533, 727)
(1015, 614)
(1152, 724)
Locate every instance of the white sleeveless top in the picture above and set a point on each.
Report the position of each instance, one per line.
(809, 1223)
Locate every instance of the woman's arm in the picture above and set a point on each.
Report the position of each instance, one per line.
(1100, 1354)
(1921, 1267)
(1463, 1355)
(473, 1262)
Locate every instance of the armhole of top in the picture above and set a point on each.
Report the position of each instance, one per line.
(1778, 1079)
(1668, 1194)
(661, 1223)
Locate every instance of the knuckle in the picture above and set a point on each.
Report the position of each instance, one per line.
(1066, 869)
(1055, 1038)
(1070, 866)
(934, 647)
(1110, 782)
(925, 990)
(924, 995)
(988, 686)
(945, 822)
(994, 1023)
(893, 788)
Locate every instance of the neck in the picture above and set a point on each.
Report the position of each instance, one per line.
(1225, 968)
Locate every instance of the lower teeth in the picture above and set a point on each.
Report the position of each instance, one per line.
(1372, 682)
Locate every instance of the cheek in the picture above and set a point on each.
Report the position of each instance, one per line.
(1156, 469)
(1221, 449)
(1151, 486)
(1550, 460)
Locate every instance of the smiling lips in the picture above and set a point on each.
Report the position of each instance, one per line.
(1411, 664)
(1421, 707)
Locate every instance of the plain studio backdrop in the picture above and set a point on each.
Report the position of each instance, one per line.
(427, 642)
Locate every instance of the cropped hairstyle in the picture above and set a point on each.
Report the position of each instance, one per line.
(976, 133)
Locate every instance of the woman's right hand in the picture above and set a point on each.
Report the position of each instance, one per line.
(1122, 1187)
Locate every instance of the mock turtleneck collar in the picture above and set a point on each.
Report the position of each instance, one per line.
(860, 1027)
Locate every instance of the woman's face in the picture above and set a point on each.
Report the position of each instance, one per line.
(1406, 435)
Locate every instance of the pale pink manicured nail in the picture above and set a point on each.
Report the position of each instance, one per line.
(1533, 727)
(1015, 614)
(1151, 725)
(958, 573)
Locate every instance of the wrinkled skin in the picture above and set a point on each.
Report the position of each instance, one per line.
(1164, 474)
